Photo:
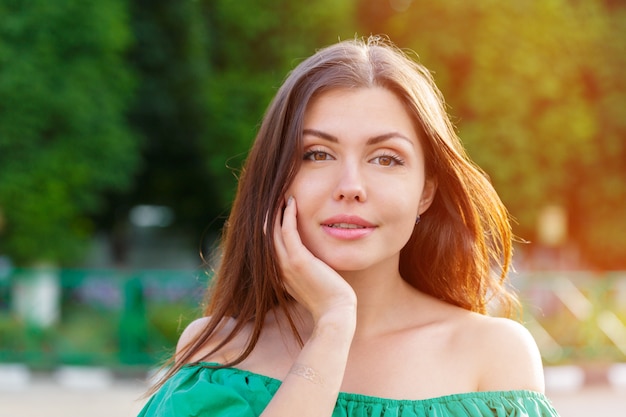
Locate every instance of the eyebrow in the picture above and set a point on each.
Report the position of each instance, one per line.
(371, 141)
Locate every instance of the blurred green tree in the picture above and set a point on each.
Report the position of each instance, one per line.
(252, 46)
(64, 140)
(538, 93)
(207, 70)
(170, 113)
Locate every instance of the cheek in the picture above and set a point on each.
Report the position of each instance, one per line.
(405, 199)
(303, 188)
(308, 202)
(305, 198)
(294, 190)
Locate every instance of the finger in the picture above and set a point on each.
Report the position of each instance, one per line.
(287, 242)
(299, 261)
(278, 239)
(289, 229)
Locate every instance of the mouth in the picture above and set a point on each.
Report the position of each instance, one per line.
(344, 226)
(346, 221)
(348, 227)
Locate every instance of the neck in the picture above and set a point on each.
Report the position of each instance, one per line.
(383, 299)
(384, 302)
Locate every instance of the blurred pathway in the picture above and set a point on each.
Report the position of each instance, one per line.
(44, 397)
(598, 400)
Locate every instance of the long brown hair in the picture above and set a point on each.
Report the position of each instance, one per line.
(450, 255)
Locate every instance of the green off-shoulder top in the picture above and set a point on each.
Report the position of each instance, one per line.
(199, 390)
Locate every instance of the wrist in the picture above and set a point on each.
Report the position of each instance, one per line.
(338, 321)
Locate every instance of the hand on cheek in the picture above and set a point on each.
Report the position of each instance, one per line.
(314, 284)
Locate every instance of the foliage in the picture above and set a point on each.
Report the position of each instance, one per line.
(252, 46)
(206, 71)
(63, 137)
(538, 92)
(536, 88)
(170, 111)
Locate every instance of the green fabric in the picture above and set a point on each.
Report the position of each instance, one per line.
(197, 390)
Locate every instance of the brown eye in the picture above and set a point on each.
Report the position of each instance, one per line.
(317, 156)
(387, 160)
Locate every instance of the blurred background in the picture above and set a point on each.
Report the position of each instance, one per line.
(124, 124)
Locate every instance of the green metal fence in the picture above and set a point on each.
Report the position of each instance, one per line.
(95, 317)
(133, 318)
(576, 316)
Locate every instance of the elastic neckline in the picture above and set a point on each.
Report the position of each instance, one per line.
(348, 396)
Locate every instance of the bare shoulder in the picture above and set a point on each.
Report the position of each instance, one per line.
(507, 354)
(194, 331)
(191, 332)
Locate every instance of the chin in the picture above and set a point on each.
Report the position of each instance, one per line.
(348, 265)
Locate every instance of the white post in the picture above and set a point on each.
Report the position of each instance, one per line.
(36, 296)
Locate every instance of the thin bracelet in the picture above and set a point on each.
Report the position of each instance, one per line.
(307, 373)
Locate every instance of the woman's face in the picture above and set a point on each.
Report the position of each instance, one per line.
(362, 181)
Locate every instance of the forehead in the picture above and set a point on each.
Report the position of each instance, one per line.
(350, 111)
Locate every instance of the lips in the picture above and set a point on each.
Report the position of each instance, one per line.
(347, 227)
(345, 221)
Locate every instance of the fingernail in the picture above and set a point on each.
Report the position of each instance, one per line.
(289, 200)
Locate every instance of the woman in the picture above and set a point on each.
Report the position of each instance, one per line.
(358, 263)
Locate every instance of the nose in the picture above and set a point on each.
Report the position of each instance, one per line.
(350, 184)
